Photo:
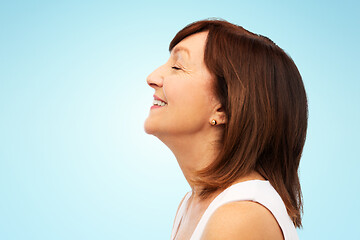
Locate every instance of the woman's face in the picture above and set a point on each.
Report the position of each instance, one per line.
(185, 86)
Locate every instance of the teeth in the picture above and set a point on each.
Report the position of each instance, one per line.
(159, 103)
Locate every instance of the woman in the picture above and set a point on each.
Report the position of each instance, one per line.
(231, 106)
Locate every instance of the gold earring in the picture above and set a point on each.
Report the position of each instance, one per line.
(213, 122)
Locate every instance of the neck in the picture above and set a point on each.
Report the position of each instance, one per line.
(196, 151)
(195, 198)
(193, 152)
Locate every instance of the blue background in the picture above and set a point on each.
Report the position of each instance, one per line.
(75, 162)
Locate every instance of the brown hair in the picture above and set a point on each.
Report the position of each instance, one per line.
(264, 99)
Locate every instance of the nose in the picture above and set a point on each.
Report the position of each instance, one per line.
(155, 79)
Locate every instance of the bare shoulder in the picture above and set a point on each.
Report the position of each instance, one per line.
(243, 220)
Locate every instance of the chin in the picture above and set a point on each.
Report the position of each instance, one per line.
(149, 127)
(153, 128)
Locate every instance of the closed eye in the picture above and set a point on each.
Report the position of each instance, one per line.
(176, 68)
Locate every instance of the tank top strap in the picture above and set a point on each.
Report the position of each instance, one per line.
(180, 214)
(257, 191)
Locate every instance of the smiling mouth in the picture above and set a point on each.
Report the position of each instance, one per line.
(159, 103)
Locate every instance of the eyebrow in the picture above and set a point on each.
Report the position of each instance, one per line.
(180, 48)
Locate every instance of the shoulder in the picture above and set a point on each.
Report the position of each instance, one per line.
(242, 220)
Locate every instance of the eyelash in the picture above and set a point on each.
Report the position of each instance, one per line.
(176, 68)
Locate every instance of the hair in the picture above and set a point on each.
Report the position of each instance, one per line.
(264, 99)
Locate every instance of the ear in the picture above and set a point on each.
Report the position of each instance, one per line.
(219, 114)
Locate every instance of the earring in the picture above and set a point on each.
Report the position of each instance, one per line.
(213, 122)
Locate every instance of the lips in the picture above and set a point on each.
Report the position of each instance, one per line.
(157, 98)
(158, 102)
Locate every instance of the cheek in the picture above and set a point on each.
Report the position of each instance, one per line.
(189, 97)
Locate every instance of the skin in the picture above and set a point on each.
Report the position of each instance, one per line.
(184, 125)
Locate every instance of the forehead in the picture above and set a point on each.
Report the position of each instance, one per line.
(193, 46)
(180, 48)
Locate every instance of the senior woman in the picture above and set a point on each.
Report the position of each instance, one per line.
(232, 107)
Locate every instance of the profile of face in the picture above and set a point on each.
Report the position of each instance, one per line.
(184, 84)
